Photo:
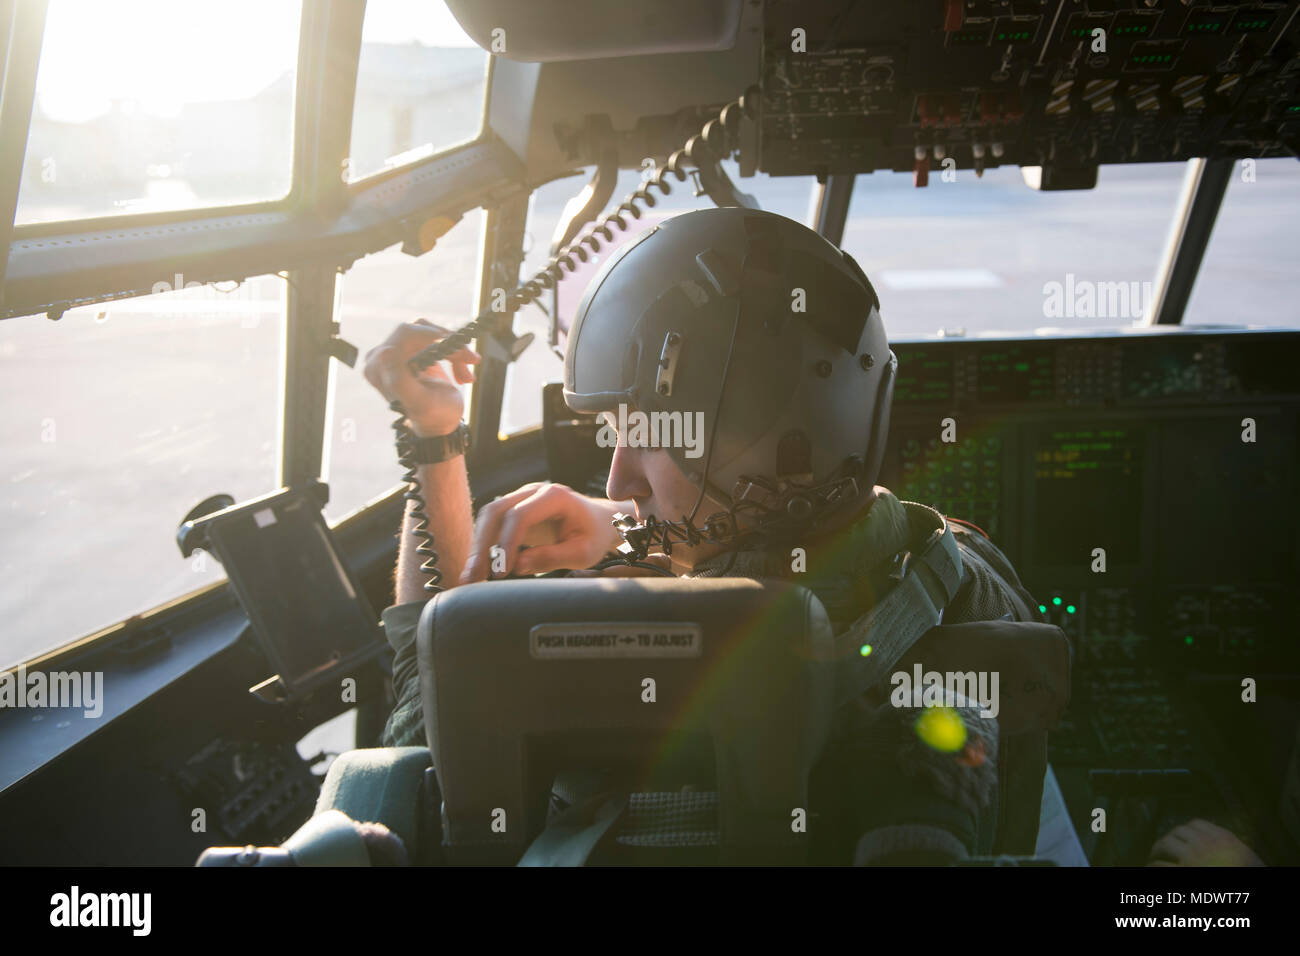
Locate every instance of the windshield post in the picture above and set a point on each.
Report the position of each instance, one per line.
(501, 257)
(829, 206)
(1204, 187)
(22, 56)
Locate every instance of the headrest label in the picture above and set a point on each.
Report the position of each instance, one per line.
(615, 639)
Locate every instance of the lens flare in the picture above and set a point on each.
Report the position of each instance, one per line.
(940, 728)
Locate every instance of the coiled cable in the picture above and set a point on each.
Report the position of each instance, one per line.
(406, 458)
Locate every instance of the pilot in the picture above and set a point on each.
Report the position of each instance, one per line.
(742, 367)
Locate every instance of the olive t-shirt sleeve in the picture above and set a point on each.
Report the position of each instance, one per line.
(405, 727)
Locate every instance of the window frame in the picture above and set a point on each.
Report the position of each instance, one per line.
(53, 266)
(382, 176)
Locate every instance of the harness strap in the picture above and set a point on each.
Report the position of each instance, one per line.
(571, 838)
(927, 577)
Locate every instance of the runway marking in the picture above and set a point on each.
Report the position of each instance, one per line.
(913, 280)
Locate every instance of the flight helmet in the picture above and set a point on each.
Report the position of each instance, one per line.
(772, 333)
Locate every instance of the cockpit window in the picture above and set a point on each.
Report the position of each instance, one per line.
(117, 420)
(1249, 275)
(153, 105)
(421, 84)
(376, 294)
(992, 254)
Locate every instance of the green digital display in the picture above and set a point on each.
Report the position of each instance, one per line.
(1179, 368)
(1081, 27)
(1206, 24)
(976, 37)
(1088, 493)
(924, 376)
(1017, 374)
(1252, 22)
(1134, 26)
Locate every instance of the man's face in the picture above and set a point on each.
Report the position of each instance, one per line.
(652, 480)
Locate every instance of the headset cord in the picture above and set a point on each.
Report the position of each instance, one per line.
(414, 493)
(721, 527)
(716, 138)
(645, 565)
(725, 527)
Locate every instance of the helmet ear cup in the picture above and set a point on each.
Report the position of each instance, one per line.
(875, 451)
(794, 454)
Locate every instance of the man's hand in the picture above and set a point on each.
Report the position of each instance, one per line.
(1201, 843)
(433, 403)
(562, 528)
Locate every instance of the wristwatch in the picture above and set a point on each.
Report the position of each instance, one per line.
(430, 450)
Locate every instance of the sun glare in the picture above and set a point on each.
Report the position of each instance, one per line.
(154, 56)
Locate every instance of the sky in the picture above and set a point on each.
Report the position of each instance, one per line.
(160, 54)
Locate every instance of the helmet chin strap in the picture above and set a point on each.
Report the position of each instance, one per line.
(722, 388)
(796, 511)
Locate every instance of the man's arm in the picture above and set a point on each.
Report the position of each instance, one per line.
(445, 488)
(433, 405)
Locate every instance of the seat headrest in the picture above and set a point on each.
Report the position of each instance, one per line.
(524, 678)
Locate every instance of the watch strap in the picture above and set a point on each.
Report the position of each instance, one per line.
(432, 449)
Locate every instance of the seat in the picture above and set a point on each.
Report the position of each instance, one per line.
(529, 681)
(745, 677)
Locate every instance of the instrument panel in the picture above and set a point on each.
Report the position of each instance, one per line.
(1065, 85)
(1143, 487)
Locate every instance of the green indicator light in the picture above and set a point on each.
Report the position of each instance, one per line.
(1056, 601)
(1042, 608)
(1188, 640)
(865, 650)
(1069, 609)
